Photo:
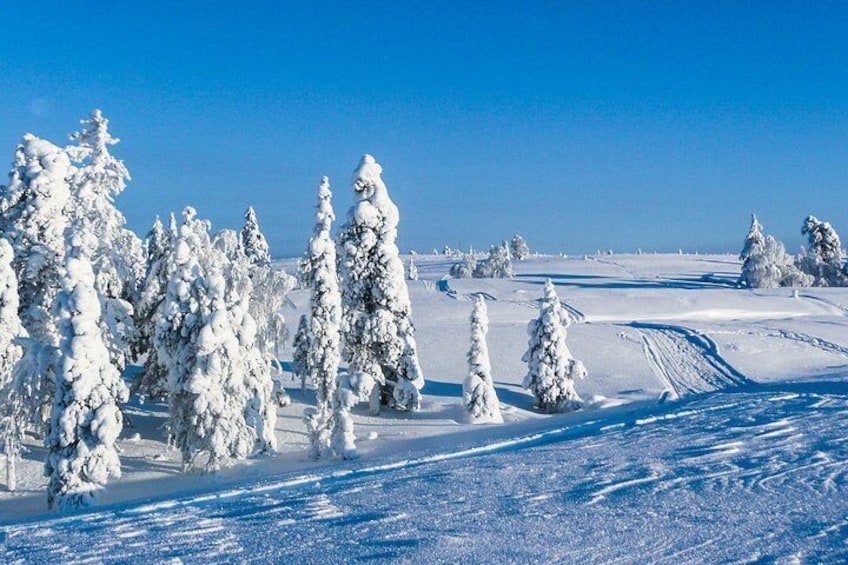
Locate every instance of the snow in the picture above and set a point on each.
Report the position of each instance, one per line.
(655, 467)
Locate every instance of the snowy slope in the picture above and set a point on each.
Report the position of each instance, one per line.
(647, 327)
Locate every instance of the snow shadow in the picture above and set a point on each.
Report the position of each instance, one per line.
(694, 282)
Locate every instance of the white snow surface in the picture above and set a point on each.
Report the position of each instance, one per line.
(713, 431)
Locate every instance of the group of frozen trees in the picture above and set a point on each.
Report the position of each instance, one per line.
(360, 313)
(498, 263)
(81, 296)
(551, 370)
(766, 264)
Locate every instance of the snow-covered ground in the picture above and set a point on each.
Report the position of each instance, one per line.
(752, 474)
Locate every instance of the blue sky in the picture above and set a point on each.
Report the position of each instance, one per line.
(582, 125)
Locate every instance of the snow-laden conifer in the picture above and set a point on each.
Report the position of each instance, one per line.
(85, 420)
(498, 265)
(325, 317)
(116, 254)
(220, 391)
(765, 263)
(518, 247)
(300, 351)
(412, 271)
(33, 217)
(551, 369)
(12, 412)
(824, 260)
(253, 241)
(379, 343)
(479, 397)
(153, 381)
(464, 268)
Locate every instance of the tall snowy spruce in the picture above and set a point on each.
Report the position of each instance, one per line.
(33, 217)
(379, 343)
(12, 413)
(152, 381)
(551, 369)
(220, 391)
(300, 354)
(116, 253)
(825, 259)
(85, 421)
(329, 423)
(479, 398)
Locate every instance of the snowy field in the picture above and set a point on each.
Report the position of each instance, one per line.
(658, 467)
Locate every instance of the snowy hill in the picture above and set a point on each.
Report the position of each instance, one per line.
(659, 466)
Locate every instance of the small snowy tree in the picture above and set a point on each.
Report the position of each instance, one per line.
(152, 380)
(12, 413)
(478, 391)
(379, 342)
(825, 259)
(551, 369)
(85, 421)
(322, 361)
(518, 247)
(300, 356)
(412, 271)
(765, 263)
(754, 241)
(465, 268)
(33, 217)
(253, 240)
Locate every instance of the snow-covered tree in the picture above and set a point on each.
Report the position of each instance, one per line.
(85, 421)
(551, 369)
(518, 247)
(765, 263)
(300, 351)
(465, 268)
(498, 265)
(824, 259)
(220, 390)
(479, 397)
(253, 241)
(33, 217)
(152, 381)
(322, 361)
(377, 329)
(12, 414)
(754, 241)
(412, 271)
(116, 253)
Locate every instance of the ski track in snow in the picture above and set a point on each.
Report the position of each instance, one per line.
(713, 478)
(812, 341)
(688, 362)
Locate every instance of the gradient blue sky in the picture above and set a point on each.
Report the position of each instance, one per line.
(582, 125)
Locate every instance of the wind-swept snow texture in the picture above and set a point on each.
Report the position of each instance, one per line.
(665, 483)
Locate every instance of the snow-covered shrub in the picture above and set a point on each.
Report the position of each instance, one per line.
(465, 268)
(765, 263)
(85, 421)
(551, 369)
(33, 217)
(12, 414)
(479, 398)
(412, 271)
(377, 328)
(518, 247)
(824, 260)
(498, 265)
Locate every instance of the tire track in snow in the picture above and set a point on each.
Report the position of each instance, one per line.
(686, 361)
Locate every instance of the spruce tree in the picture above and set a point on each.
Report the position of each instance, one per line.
(378, 334)
(518, 247)
(479, 398)
(551, 369)
(300, 356)
(12, 413)
(85, 421)
(253, 241)
(825, 259)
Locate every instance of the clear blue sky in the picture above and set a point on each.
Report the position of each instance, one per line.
(582, 125)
